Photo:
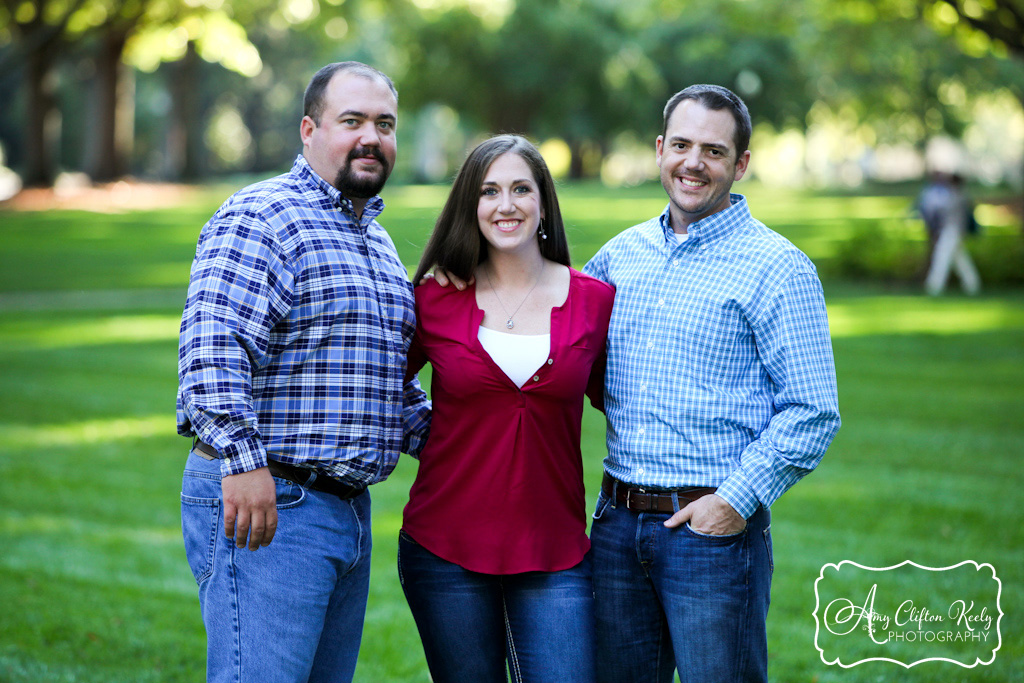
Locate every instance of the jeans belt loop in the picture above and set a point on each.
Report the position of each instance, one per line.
(675, 501)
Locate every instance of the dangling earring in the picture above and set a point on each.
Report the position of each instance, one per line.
(543, 235)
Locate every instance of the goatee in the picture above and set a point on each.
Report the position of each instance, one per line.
(366, 186)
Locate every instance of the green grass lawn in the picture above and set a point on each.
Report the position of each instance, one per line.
(94, 586)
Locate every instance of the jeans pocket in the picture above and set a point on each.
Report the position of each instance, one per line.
(768, 547)
(603, 501)
(404, 539)
(200, 518)
(722, 538)
(289, 494)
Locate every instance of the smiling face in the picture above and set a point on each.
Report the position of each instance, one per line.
(353, 146)
(698, 161)
(509, 210)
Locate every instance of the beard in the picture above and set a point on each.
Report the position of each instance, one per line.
(365, 186)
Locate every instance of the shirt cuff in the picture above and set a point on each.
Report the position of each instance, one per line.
(739, 494)
(241, 457)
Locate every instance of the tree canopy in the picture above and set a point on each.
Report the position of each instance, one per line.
(184, 88)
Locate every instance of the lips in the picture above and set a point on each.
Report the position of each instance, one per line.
(507, 225)
(367, 155)
(692, 182)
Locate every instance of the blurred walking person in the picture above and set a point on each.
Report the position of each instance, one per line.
(948, 215)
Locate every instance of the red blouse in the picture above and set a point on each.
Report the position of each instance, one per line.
(500, 482)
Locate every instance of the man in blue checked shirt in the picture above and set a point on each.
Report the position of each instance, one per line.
(720, 394)
(291, 370)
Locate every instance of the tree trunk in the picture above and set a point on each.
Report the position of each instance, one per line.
(183, 153)
(254, 115)
(42, 121)
(114, 111)
(575, 160)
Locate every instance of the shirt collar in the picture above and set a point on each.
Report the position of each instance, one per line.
(711, 228)
(374, 206)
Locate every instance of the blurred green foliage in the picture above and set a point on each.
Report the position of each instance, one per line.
(181, 89)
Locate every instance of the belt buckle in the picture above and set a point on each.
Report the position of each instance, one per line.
(629, 492)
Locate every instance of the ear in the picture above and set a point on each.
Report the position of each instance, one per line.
(741, 165)
(306, 128)
(658, 149)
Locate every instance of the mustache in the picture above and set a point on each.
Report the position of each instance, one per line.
(374, 152)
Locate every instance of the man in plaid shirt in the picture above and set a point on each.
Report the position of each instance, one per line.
(291, 383)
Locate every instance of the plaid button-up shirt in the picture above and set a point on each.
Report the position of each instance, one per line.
(295, 332)
(720, 369)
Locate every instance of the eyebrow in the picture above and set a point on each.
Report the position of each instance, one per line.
(349, 113)
(712, 145)
(518, 180)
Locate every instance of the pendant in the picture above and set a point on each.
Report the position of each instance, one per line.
(509, 324)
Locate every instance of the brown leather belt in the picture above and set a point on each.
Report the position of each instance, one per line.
(307, 477)
(639, 499)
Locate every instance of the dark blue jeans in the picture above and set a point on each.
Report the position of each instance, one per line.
(670, 599)
(540, 625)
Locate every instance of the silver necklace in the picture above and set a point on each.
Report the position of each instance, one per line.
(508, 323)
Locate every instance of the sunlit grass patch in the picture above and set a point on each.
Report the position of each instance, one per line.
(118, 329)
(893, 314)
(81, 433)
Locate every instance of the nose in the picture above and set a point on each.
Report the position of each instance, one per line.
(692, 159)
(506, 203)
(369, 135)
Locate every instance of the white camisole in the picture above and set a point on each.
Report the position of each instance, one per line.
(518, 355)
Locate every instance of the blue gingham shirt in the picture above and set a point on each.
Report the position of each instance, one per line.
(720, 369)
(295, 332)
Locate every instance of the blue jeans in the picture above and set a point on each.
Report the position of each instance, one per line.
(292, 611)
(538, 624)
(675, 599)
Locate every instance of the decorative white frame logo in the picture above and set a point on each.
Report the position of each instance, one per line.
(856, 621)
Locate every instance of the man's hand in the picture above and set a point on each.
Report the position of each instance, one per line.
(250, 508)
(709, 515)
(444, 278)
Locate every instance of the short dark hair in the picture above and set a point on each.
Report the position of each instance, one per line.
(313, 100)
(715, 97)
(456, 244)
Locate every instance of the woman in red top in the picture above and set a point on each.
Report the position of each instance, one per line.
(493, 550)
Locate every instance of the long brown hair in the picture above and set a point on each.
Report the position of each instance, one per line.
(456, 244)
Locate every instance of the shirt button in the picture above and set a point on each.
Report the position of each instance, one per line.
(675, 262)
(640, 471)
(641, 431)
(661, 302)
(550, 361)
(643, 387)
(536, 378)
(650, 344)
